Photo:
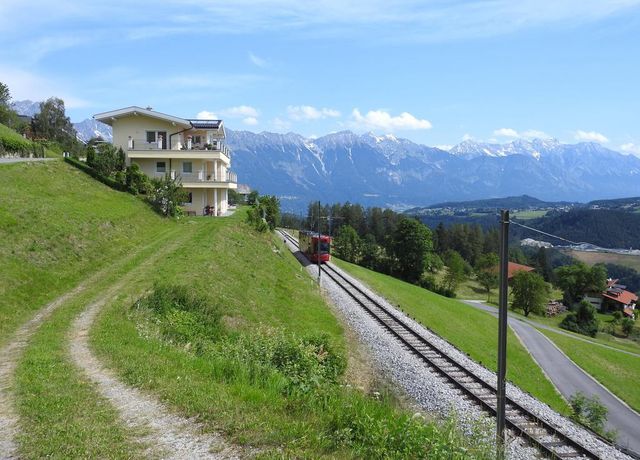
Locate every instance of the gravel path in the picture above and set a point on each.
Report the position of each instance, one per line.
(429, 390)
(9, 358)
(167, 435)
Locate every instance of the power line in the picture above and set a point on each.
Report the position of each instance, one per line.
(594, 246)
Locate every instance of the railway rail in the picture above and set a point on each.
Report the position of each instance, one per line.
(552, 442)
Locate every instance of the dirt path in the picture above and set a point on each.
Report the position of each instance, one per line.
(166, 435)
(9, 357)
(11, 353)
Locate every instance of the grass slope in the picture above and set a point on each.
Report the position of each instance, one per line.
(617, 371)
(58, 226)
(255, 281)
(469, 329)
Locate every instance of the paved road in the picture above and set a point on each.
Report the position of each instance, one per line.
(569, 378)
(21, 160)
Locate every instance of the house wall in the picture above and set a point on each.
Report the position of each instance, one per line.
(137, 127)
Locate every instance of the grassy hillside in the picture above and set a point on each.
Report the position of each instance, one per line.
(471, 330)
(57, 227)
(257, 379)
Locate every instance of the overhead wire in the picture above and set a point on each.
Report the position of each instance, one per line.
(576, 243)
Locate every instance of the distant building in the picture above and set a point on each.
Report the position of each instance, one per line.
(617, 298)
(193, 151)
(535, 243)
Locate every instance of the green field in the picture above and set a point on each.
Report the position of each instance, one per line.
(63, 230)
(527, 215)
(613, 369)
(592, 258)
(58, 227)
(471, 330)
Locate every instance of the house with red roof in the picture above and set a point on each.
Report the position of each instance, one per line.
(617, 298)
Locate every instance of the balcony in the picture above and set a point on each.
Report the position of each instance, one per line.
(140, 148)
(202, 179)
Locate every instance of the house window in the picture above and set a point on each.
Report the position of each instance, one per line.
(187, 167)
(161, 166)
(189, 198)
(151, 136)
(197, 139)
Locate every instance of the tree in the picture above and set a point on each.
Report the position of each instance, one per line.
(5, 95)
(347, 244)
(52, 122)
(166, 196)
(530, 292)
(627, 326)
(577, 279)
(543, 266)
(270, 205)
(455, 273)
(583, 321)
(410, 243)
(487, 272)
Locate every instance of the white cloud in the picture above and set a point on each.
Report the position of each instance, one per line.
(248, 114)
(308, 112)
(206, 115)
(590, 136)
(467, 137)
(257, 61)
(280, 125)
(240, 111)
(380, 119)
(506, 132)
(631, 149)
(528, 134)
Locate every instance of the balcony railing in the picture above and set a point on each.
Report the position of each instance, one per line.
(142, 144)
(201, 176)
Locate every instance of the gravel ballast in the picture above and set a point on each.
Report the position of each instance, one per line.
(429, 391)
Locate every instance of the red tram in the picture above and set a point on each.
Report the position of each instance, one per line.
(308, 242)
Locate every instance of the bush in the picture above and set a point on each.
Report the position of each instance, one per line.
(590, 412)
(92, 172)
(627, 326)
(429, 282)
(583, 321)
(166, 195)
(185, 318)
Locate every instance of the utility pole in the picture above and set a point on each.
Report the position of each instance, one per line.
(502, 332)
(318, 244)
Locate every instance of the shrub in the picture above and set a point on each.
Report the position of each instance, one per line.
(627, 326)
(184, 317)
(583, 321)
(166, 195)
(590, 412)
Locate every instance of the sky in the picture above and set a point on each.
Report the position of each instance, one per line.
(434, 71)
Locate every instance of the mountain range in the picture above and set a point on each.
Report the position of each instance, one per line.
(395, 172)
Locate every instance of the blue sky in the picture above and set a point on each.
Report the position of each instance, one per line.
(434, 71)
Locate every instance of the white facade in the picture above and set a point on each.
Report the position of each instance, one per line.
(191, 151)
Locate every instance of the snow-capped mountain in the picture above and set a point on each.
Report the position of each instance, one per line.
(390, 171)
(25, 107)
(91, 128)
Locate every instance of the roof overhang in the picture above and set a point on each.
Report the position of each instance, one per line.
(109, 117)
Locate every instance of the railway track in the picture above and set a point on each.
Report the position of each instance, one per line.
(549, 440)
